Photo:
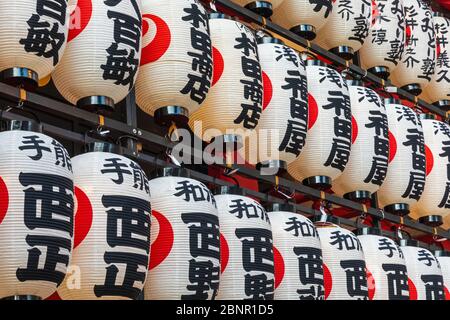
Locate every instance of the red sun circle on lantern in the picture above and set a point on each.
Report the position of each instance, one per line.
(392, 147)
(429, 160)
(412, 290)
(161, 247)
(218, 65)
(370, 285)
(79, 18)
(268, 90)
(156, 38)
(313, 111)
(279, 266)
(224, 253)
(327, 281)
(354, 130)
(83, 217)
(4, 200)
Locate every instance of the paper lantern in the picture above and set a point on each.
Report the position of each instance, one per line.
(36, 212)
(112, 228)
(387, 276)
(303, 17)
(368, 163)
(297, 256)
(247, 259)
(424, 272)
(348, 27)
(101, 60)
(185, 252)
(234, 103)
(343, 263)
(263, 8)
(281, 132)
(405, 179)
(439, 87)
(32, 39)
(443, 257)
(384, 46)
(327, 148)
(416, 68)
(176, 64)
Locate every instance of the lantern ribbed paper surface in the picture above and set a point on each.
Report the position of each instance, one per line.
(328, 143)
(444, 262)
(368, 162)
(247, 260)
(185, 241)
(386, 269)
(36, 214)
(298, 257)
(419, 57)
(102, 56)
(343, 263)
(112, 229)
(405, 179)
(235, 98)
(282, 128)
(33, 34)
(424, 273)
(176, 63)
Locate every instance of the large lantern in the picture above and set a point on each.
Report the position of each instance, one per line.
(368, 163)
(383, 48)
(343, 262)
(281, 132)
(263, 8)
(303, 17)
(348, 27)
(435, 201)
(424, 272)
(101, 60)
(36, 212)
(444, 260)
(176, 63)
(416, 68)
(405, 179)
(234, 103)
(32, 39)
(185, 239)
(387, 277)
(112, 227)
(328, 145)
(297, 256)
(247, 259)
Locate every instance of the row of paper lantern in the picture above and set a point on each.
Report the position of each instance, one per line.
(81, 226)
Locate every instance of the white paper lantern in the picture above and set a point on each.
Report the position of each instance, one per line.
(424, 272)
(387, 276)
(405, 179)
(368, 163)
(281, 132)
(263, 8)
(328, 143)
(33, 38)
(234, 103)
(303, 17)
(36, 213)
(112, 229)
(444, 260)
(416, 68)
(101, 60)
(343, 264)
(348, 27)
(185, 240)
(176, 63)
(247, 249)
(297, 257)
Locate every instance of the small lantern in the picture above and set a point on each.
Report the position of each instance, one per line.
(328, 144)
(297, 256)
(36, 212)
(247, 259)
(387, 276)
(424, 272)
(444, 260)
(33, 38)
(185, 239)
(112, 227)
(263, 8)
(405, 179)
(368, 163)
(303, 17)
(176, 64)
(101, 61)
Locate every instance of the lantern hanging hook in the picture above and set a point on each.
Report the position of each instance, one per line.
(172, 158)
(279, 191)
(212, 5)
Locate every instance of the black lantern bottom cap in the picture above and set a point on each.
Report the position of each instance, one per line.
(17, 76)
(344, 52)
(432, 221)
(444, 105)
(263, 8)
(272, 166)
(358, 196)
(230, 142)
(23, 298)
(380, 71)
(168, 115)
(97, 104)
(103, 147)
(23, 125)
(318, 182)
(413, 88)
(398, 209)
(306, 31)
